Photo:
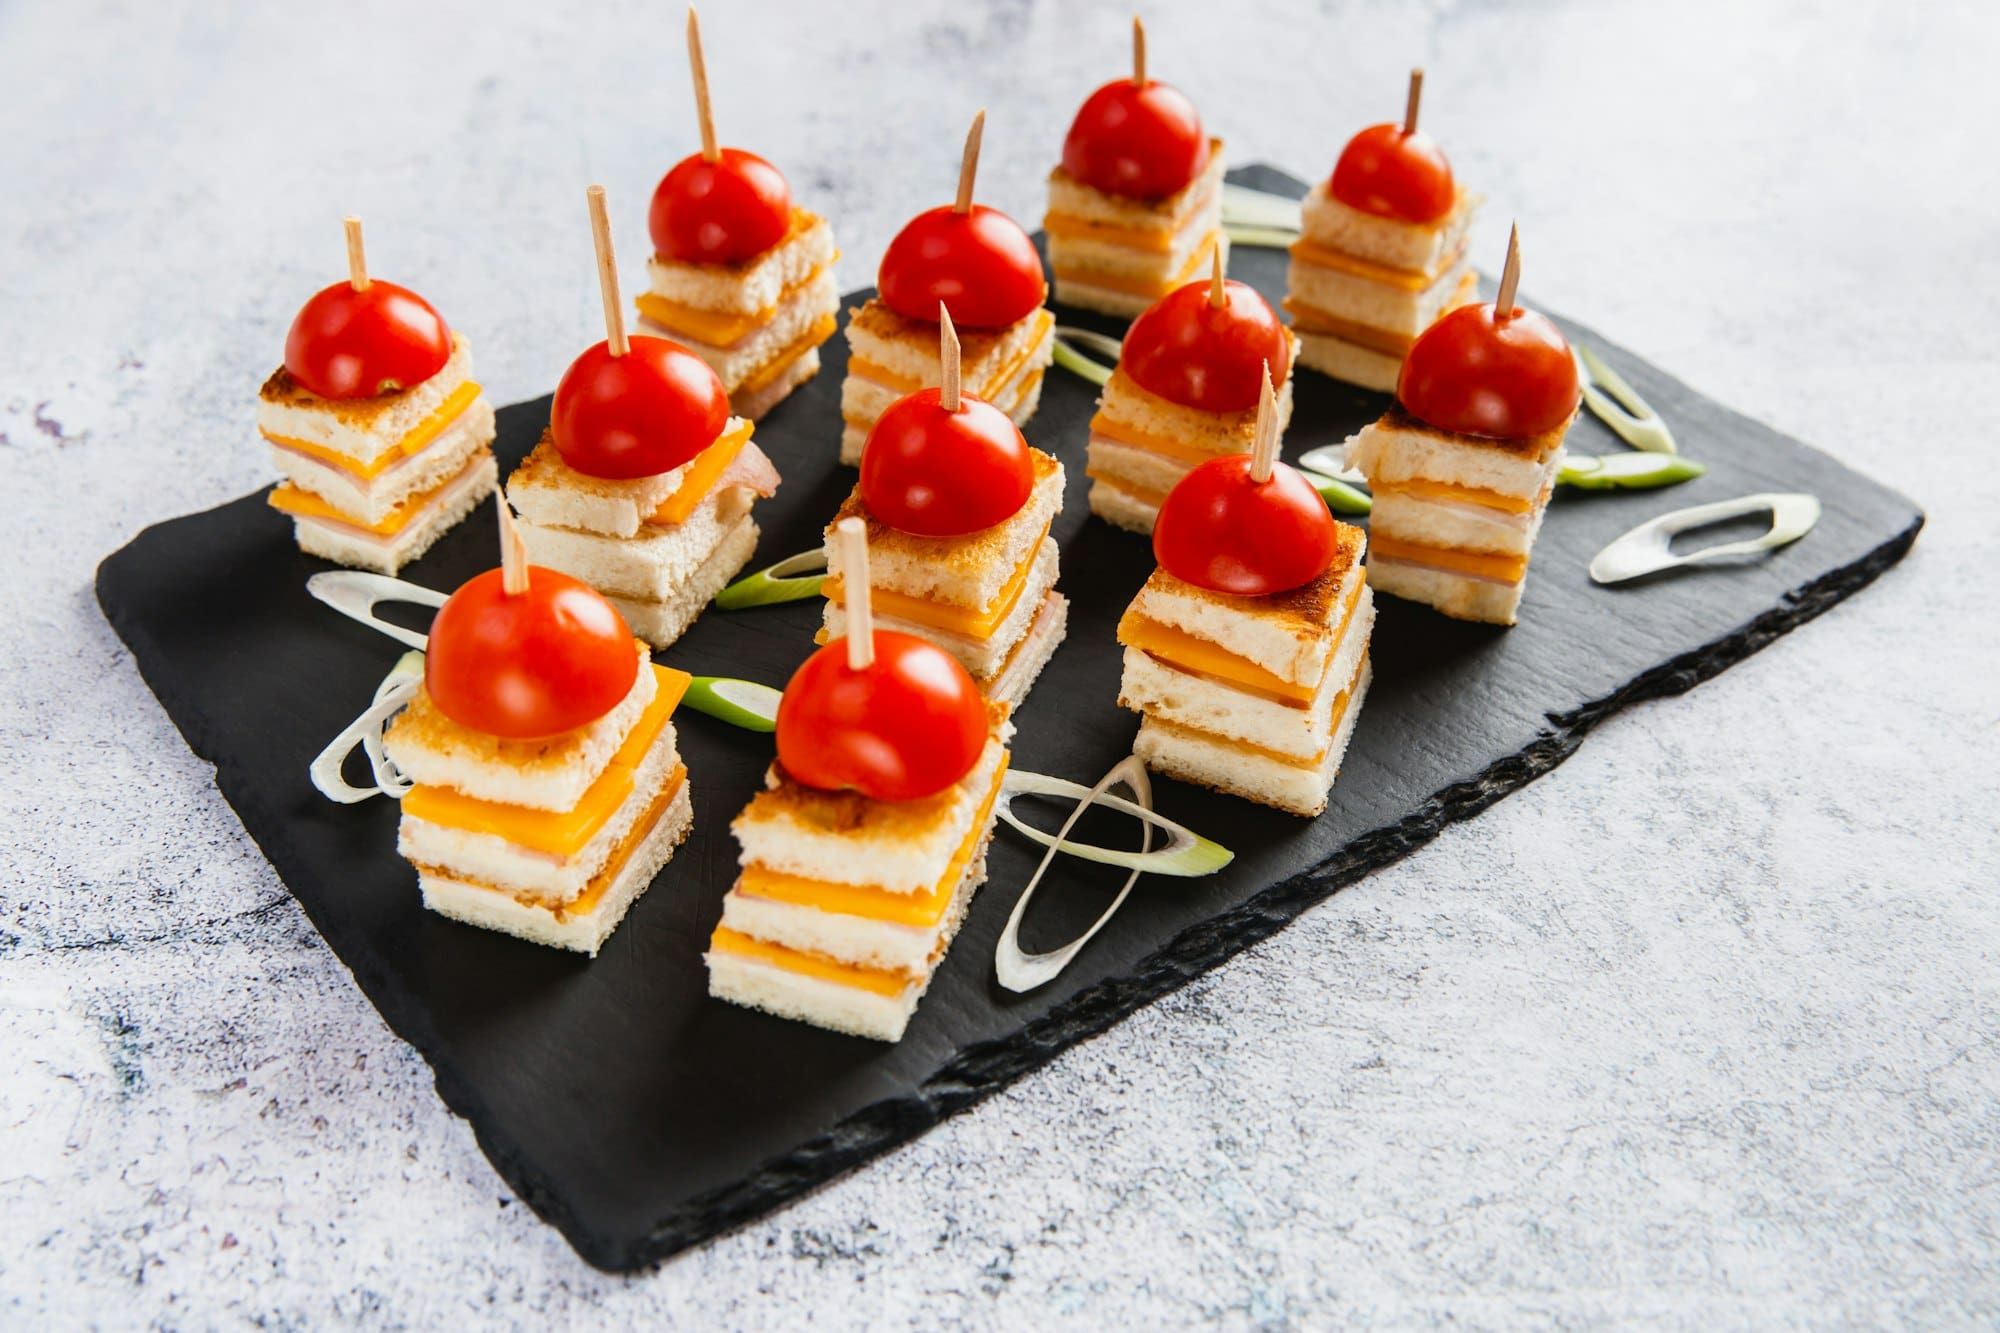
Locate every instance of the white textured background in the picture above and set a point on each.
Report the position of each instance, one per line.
(1704, 1028)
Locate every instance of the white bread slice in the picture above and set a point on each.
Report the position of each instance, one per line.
(547, 491)
(1397, 447)
(1122, 509)
(661, 622)
(1104, 300)
(1339, 359)
(1024, 668)
(908, 348)
(652, 566)
(982, 657)
(585, 933)
(549, 774)
(751, 287)
(483, 858)
(1081, 257)
(967, 571)
(362, 429)
(1459, 596)
(346, 544)
(1396, 311)
(755, 984)
(752, 404)
(1465, 527)
(1151, 687)
(789, 324)
(1140, 473)
(371, 499)
(1192, 757)
(846, 838)
(1414, 246)
(1068, 195)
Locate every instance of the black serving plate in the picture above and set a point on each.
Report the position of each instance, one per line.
(640, 1117)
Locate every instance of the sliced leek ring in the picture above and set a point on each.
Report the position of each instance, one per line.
(1259, 238)
(1636, 471)
(1074, 348)
(1619, 406)
(1332, 460)
(740, 703)
(793, 579)
(355, 594)
(1340, 497)
(395, 691)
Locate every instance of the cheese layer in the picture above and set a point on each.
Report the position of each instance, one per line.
(881, 374)
(420, 436)
(951, 619)
(1204, 657)
(1475, 564)
(812, 965)
(1340, 707)
(1142, 287)
(718, 328)
(290, 498)
(1312, 252)
(703, 471)
(1421, 489)
(768, 373)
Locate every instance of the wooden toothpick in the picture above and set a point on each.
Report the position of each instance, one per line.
(1138, 51)
(607, 272)
(357, 259)
(1216, 296)
(968, 167)
(513, 549)
(1510, 276)
(702, 110)
(1416, 97)
(853, 535)
(1264, 455)
(948, 386)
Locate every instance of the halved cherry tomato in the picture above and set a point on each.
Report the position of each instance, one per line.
(1508, 377)
(908, 725)
(721, 212)
(357, 344)
(637, 415)
(979, 263)
(1139, 141)
(1201, 356)
(943, 474)
(1224, 530)
(1395, 175)
(528, 665)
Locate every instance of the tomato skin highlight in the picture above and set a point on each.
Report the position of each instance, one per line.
(724, 212)
(979, 263)
(525, 666)
(358, 344)
(1222, 529)
(1473, 373)
(637, 415)
(935, 473)
(908, 725)
(1136, 141)
(1395, 175)
(1189, 352)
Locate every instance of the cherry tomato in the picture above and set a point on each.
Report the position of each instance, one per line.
(1224, 530)
(1139, 141)
(979, 263)
(1395, 175)
(721, 212)
(1192, 353)
(357, 344)
(528, 665)
(943, 474)
(906, 726)
(1507, 377)
(637, 415)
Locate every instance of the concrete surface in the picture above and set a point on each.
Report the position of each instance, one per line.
(1701, 1030)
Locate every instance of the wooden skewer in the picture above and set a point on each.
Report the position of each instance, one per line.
(1216, 296)
(607, 273)
(1416, 97)
(357, 259)
(702, 110)
(1510, 276)
(948, 369)
(513, 549)
(853, 535)
(1264, 455)
(1138, 51)
(968, 167)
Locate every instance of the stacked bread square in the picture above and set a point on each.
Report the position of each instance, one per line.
(891, 356)
(1117, 254)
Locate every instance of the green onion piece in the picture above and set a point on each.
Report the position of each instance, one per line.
(1076, 363)
(740, 703)
(1187, 853)
(1635, 422)
(1259, 238)
(792, 579)
(1340, 497)
(1633, 471)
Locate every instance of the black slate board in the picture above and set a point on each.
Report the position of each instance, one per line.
(639, 1117)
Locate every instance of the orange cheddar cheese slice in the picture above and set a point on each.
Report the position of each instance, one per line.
(1474, 564)
(702, 474)
(1196, 656)
(1156, 240)
(288, 498)
(718, 328)
(1448, 491)
(1144, 287)
(1165, 446)
(561, 833)
(1409, 280)
(1339, 711)
(420, 436)
(767, 374)
(951, 619)
(1311, 319)
(889, 379)
(816, 966)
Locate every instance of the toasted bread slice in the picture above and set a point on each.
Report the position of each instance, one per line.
(1124, 403)
(1071, 198)
(805, 315)
(653, 565)
(1398, 448)
(547, 491)
(908, 348)
(661, 622)
(355, 546)
(1412, 246)
(362, 429)
(1389, 313)
(1460, 596)
(1339, 359)
(755, 285)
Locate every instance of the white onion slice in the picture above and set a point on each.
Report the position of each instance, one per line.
(395, 691)
(355, 592)
(1648, 548)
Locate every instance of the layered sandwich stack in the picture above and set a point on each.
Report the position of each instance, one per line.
(979, 264)
(376, 423)
(1135, 208)
(1381, 254)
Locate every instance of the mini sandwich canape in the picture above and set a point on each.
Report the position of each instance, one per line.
(376, 423)
(1246, 652)
(977, 262)
(1135, 209)
(741, 276)
(549, 787)
(1185, 390)
(1463, 463)
(642, 483)
(957, 509)
(1381, 252)
(863, 851)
